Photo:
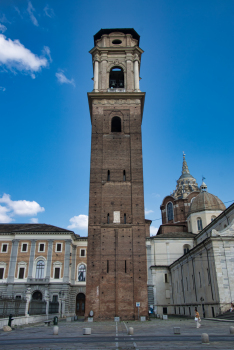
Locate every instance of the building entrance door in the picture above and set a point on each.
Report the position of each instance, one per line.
(80, 304)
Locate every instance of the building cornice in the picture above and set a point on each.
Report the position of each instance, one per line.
(116, 96)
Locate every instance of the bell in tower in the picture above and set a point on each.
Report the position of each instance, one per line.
(116, 271)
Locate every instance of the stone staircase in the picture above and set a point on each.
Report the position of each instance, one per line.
(150, 296)
(226, 316)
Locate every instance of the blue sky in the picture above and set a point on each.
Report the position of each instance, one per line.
(187, 73)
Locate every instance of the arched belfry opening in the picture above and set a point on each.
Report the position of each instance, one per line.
(116, 78)
(116, 124)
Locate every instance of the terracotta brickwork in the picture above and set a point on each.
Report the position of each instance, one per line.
(116, 266)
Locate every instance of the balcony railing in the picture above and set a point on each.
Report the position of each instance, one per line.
(38, 280)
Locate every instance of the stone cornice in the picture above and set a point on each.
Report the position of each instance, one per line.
(100, 50)
(116, 96)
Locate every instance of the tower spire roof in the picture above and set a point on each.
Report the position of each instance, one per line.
(186, 183)
(185, 169)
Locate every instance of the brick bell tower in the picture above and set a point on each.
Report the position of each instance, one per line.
(116, 271)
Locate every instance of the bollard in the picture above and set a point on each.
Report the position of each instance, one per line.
(86, 331)
(130, 331)
(56, 330)
(205, 338)
(231, 330)
(176, 330)
(10, 320)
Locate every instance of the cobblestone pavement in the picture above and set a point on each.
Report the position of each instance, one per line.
(155, 334)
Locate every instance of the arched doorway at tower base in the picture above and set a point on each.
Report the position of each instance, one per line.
(80, 304)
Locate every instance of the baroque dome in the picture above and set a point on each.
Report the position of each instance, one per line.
(206, 201)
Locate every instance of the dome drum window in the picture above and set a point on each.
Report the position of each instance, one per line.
(170, 215)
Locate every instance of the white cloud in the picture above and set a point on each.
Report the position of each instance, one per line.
(80, 222)
(34, 220)
(30, 10)
(2, 88)
(148, 211)
(153, 230)
(62, 79)
(4, 19)
(49, 11)
(15, 56)
(18, 11)
(21, 207)
(46, 51)
(4, 215)
(2, 28)
(156, 195)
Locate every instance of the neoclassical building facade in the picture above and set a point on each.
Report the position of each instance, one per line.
(46, 260)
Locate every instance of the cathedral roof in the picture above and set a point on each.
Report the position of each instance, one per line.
(206, 201)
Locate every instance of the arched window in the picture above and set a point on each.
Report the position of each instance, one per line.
(82, 273)
(186, 248)
(213, 217)
(124, 175)
(116, 78)
(108, 218)
(116, 124)
(37, 295)
(108, 175)
(169, 211)
(125, 219)
(40, 269)
(199, 224)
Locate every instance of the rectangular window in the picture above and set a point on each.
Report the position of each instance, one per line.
(21, 273)
(200, 279)
(41, 247)
(125, 220)
(55, 299)
(208, 275)
(82, 252)
(1, 273)
(107, 266)
(4, 248)
(166, 279)
(24, 247)
(58, 247)
(57, 272)
(125, 266)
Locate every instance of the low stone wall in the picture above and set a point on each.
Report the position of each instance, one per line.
(22, 320)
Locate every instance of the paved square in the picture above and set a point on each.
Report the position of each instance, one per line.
(154, 334)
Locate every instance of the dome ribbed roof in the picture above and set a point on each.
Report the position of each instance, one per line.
(206, 201)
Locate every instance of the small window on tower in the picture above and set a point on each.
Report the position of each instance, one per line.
(125, 221)
(108, 175)
(108, 218)
(124, 175)
(116, 124)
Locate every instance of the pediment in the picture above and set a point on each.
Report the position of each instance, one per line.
(226, 232)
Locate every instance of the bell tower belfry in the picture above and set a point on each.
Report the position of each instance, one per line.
(116, 271)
